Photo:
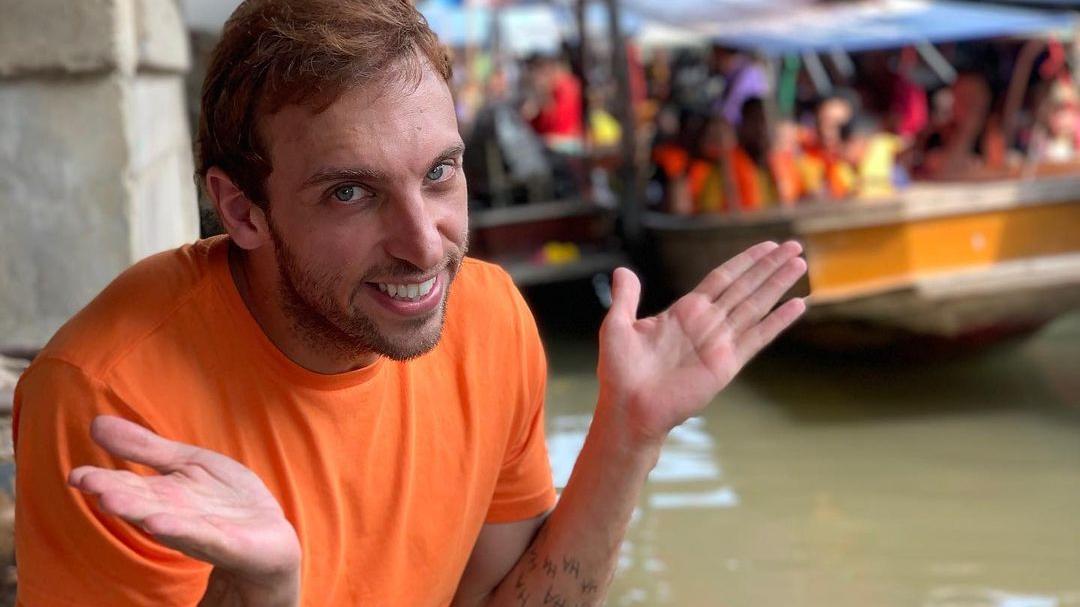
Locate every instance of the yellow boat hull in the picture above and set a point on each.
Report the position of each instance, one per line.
(941, 259)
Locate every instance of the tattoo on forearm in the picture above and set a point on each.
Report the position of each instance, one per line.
(552, 598)
(568, 575)
(570, 566)
(522, 592)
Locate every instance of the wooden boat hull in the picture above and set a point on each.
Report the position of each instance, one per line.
(940, 259)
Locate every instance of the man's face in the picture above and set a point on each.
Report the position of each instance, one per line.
(368, 212)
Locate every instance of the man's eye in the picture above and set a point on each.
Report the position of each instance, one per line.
(349, 193)
(441, 172)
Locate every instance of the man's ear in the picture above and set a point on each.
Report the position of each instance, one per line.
(244, 220)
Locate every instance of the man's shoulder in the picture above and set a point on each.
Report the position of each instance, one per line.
(136, 304)
(475, 271)
(485, 304)
(483, 288)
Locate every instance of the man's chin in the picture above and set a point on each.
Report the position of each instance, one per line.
(407, 346)
(404, 339)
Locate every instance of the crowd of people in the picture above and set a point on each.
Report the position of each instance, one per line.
(722, 135)
(535, 125)
(722, 144)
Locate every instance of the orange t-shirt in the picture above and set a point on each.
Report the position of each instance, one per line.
(387, 472)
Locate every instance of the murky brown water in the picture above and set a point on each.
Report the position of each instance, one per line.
(827, 482)
(844, 483)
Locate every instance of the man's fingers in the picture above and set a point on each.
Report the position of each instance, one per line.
(720, 278)
(208, 538)
(625, 295)
(120, 493)
(192, 535)
(130, 441)
(758, 336)
(753, 278)
(76, 476)
(134, 443)
(757, 305)
(91, 479)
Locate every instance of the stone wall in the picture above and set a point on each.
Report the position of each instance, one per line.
(95, 152)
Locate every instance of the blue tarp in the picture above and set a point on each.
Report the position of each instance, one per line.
(1047, 3)
(773, 28)
(525, 27)
(867, 25)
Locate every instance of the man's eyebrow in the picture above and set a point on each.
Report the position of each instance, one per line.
(451, 152)
(366, 174)
(343, 174)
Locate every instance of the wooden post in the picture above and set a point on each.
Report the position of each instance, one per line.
(582, 61)
(624, 112)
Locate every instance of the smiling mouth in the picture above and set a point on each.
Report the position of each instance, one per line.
(407, 291)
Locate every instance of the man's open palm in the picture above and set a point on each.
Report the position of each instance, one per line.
(663, 369)
(202, 503)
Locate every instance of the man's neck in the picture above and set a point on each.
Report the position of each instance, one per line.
(263, 300)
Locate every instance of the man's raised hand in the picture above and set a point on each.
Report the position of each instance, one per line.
(201, 503)
(656, 372)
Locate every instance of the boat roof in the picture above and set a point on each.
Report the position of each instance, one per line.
(1046, 3)
(528, 26)
(858, 26)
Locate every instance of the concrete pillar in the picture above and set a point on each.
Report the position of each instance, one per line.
(95, 152)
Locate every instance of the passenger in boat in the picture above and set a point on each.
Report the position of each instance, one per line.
(331, 405)
(871, 152)
(553, 105)
(707, 182)
(888, 90)
(958, 148)
(743, 80)
(678, 136)
(784, 160)
(1056, 136)
(825, 171)
(749, 161)
(726, 172)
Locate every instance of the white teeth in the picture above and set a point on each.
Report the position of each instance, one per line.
(425, 287)
(412, 291)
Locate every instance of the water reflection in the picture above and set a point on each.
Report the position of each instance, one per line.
(688, 456)
(940, 482)
(985, 597)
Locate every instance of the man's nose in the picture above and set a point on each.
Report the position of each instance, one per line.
(412, 231)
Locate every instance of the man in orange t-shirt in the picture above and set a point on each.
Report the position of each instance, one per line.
(391, 469)
(332, 405)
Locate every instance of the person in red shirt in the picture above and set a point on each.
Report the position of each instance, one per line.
(553, 107)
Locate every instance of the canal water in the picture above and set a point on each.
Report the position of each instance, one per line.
(823, 481)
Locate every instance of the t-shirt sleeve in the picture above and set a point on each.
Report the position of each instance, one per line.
(524, 488)
(68, 552)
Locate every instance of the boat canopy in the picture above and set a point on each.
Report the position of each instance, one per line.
(528, 26)
(524, 26)
(857, 26)
(1075, 4)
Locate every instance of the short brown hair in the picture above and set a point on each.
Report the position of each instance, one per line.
(274, 53)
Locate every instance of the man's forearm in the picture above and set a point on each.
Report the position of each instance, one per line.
(572, 560)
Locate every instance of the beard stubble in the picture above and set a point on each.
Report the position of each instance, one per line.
(307, 300)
